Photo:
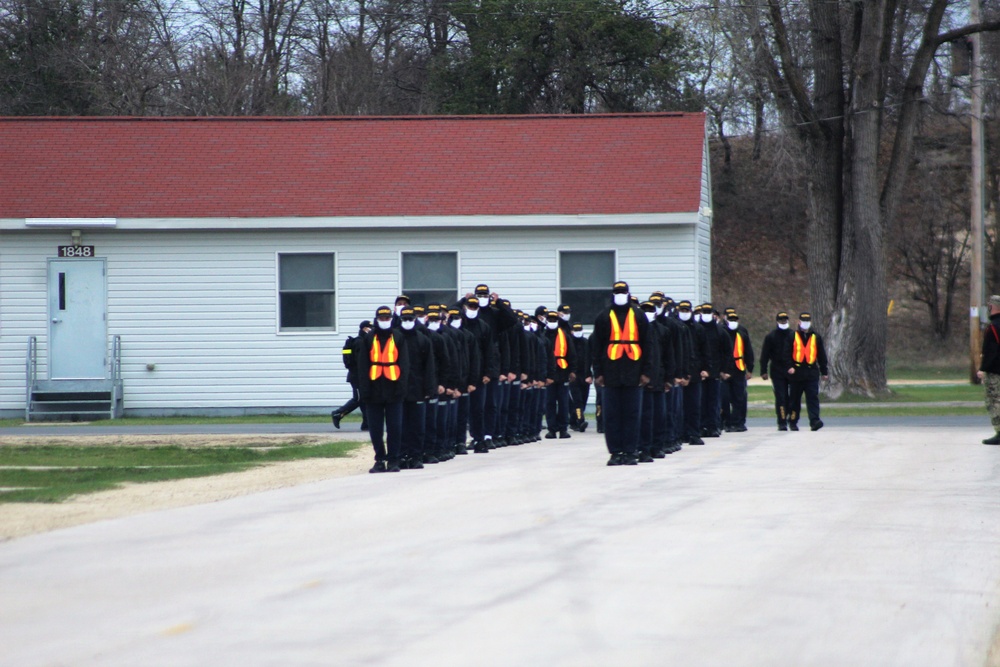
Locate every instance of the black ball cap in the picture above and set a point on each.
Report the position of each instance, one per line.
(619, 287)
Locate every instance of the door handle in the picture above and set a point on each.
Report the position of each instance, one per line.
(56, 320)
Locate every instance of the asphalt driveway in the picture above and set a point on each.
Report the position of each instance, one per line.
(855, 545)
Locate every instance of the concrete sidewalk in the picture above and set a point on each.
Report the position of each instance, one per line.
(848, 546)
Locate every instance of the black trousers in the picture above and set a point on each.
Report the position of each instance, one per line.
(782, 394)
(734, 400)
(557, 407)
(692, 410)
(652, 434)
(414, 429)
(811, 389)
(352, 404)
(478, 406)
(622, 408)
(579, 394)
(386, 420)
(462, 417)
(710, 413)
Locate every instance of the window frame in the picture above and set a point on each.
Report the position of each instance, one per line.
(305, 331)
(559, 276)
(458, 272)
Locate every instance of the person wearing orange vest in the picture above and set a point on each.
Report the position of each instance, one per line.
(617, 344)
(734, 389)
(561, 367)
(805, 357)
(383, 373)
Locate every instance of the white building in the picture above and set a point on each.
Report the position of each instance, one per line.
(231, 257)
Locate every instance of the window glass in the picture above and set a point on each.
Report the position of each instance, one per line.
(306, 286)
(585, 279)
(430, 277)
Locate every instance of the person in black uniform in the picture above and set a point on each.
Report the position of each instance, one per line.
(806, 359)
(719, 355)
(989, 369)
(678, 335)
(654, 403)
(773, 351)
(561, 355)
(579, 389)
(697, 365)
(622, 368)
(383, 371)
(349, 353)
(421, 386)
(472, 365)
(734, 389)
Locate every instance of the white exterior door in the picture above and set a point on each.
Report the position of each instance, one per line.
(77, 319)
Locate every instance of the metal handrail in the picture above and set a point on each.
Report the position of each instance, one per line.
(31, 374)
(116, 371)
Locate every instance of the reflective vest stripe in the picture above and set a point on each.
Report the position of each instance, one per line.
(627, 344)
(560, 351)
(385, 360)
(804, 352)
(738, 352)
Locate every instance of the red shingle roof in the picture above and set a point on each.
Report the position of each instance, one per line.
(303, 166)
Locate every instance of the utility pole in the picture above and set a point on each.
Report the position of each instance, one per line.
(977, 292)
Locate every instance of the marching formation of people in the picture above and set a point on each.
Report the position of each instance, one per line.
(429, 378)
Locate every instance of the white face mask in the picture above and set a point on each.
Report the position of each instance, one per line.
(564, 317)
(527, 328)
(434, 326)
(620, 299)
(398, 309)
(805, 325)
(471, 314)
(733, 326)
(533, 326)
(783, 326)
(659, 310)
(541, 320)
(551, 326)
(456, 323)
(650, 316)
(702, 317)
(484, 301)
(684, 315)
(577, 334)
(384, 324)
(408, 325)
(422, 320)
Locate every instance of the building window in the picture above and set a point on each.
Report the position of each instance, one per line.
(306, 288)
(585, 280)
(430, 277)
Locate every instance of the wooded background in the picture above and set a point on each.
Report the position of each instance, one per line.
(840, 128)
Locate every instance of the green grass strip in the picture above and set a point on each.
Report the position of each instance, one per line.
(73, 470)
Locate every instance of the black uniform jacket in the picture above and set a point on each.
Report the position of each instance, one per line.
(382, 389)
(680, 345)
(583, 360)
(624, 371)
(773, 351)
(718, 349)
(697, 359)
(421, 381)
(445, 358)
(805, 371)
(991, 347)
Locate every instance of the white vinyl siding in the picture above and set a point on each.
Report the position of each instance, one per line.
(201, 307)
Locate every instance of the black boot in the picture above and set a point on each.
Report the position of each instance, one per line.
(336, 417)
(995, 440)
(378, 467)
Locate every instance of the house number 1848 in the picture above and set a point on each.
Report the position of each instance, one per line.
(76, 251)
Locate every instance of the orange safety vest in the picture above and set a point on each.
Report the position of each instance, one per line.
(560, 351)
(738, 352)
(804, 352)
(627, 344)
(385, 361)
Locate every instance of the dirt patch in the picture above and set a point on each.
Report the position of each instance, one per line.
(19, 519)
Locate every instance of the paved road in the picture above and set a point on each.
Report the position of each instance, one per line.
(871, 545)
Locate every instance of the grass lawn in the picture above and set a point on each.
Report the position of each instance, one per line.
(53, 473)
(905, 393)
